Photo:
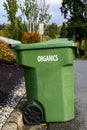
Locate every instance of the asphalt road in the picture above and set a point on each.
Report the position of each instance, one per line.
(80, 120)
(81, 91)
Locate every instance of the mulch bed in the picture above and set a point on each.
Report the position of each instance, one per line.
(10, 76)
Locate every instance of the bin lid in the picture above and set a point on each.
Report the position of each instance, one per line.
(55, 43)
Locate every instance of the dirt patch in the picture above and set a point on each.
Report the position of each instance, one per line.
(10, 76)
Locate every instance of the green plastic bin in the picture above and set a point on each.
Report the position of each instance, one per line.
(49, 77)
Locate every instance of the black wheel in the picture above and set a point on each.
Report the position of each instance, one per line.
(32, 115)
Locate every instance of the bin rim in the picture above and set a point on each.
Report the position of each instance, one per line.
(55, 43)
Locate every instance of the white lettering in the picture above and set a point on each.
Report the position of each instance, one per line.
(47, 58)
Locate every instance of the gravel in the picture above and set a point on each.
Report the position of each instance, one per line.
(13, 99)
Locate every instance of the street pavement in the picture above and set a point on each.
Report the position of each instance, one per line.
(80, 120)
(81, 90)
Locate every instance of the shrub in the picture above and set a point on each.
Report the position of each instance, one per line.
(30, 38)
(82, 49)
(6, 54)
(84, 46)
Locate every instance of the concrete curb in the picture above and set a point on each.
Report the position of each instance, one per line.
(15, 122)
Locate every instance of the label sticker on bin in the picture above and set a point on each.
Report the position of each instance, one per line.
(47, 58)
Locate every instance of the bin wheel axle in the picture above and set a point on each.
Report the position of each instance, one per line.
(32, 115)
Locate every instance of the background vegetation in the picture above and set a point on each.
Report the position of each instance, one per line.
(75, 11)
(25, 26)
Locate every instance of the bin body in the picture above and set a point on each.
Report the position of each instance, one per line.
(49, 78)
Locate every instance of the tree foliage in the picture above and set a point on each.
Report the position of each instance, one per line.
(15, 29)
(52, 30)
(29, 12)
(63, 33)
(11, 8)
(33, 14)
(75, 11)
(28, 20)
